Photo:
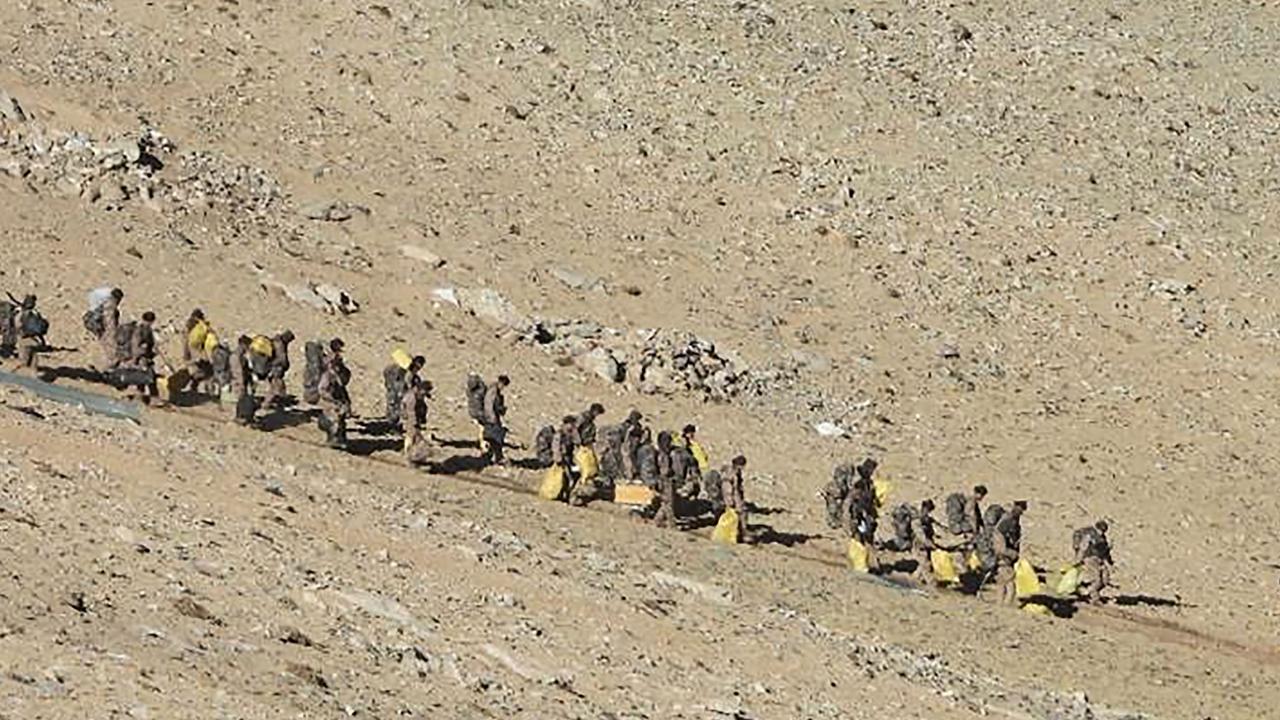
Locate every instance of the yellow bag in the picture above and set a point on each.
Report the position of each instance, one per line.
(944, 567)
(700, 456)
(727, 528)
(859, 556)
(198, 335)
(883, 489)
(401, 358)
(588, 466)
(261, 345)
(1025, 581)
(210, 341)
(973, 562)
(552, 483)
(640, 495)
(1069, 581)
(1037, 609)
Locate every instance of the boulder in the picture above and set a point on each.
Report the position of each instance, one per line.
(601, 362)
(492, 307)
(10, 109)
(421, 254)
(338, 298)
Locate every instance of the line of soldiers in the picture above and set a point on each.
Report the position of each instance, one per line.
(991, 539)
(674, 467)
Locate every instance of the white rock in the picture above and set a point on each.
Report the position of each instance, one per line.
(830, 430)
(601, 362)
(338, 298)
(417, 252)
(492, 307)
(446, 295)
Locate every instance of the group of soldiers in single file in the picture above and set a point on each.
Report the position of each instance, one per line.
(596, 462)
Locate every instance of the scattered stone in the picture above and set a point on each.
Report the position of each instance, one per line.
(829, 429)
(293, 636)
(493, 308)
(711, 593)
(192, 609)
(574, 280)
(949, 352)
(10, 109)
(601, 362)
(332, 211)
(524, 669)
(307, 674)
(338, 299)
(449, 296)
(416, 252)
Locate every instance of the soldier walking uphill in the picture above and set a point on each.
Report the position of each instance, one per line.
(666, 475)
(396, 380)
(494, 432)
(1093, 553)
(140, 362)
(29, 327)
(242, 382)
(860, 512)
(103, 323)
(922, 540)
(964, 514)
(335, 403)
(732, 492)
(1006, 546)
(277, 368)
(197, 347)
(413, 418)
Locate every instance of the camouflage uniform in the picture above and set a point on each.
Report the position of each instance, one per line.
(110, 326)
(495, 408)
(1093, 552)
(242, 385)
(666, 512)
(413, 415)
(923, 541)
(335, 403)
(395, 380)
(142, 356)
(860, 515)
(835, 492)
(1006, 542)
(684, 468)
(902, 519)
(713, 491)
(28, 343)
(277, 369)
(734, 496)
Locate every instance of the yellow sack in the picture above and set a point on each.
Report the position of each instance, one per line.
(401, 358)
(700, 456)
(552, 483)
(261, 345)
(944, 567)
(883, 489)
(198, 335)
(588, 465)
(639, 495)
(210, 341)
(1069, 581)
(1037, 609)
(859, 557)
(727, 528)
(1025, 581)
(973, 562)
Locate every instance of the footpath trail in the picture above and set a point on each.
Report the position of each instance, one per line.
(1157, 629)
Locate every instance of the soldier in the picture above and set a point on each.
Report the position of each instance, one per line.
(902, 520)
(142, 357)
(666, 512)
(586, 424)
(242, 382)
(30, 328)
(1093, 552)
(197, 361)
(495, 409)
(110, 315)
(732, 491)
(1006, 544)
(277, 369)
(922, 540)
(684, 468)
(413, 417)
(335, 403)
(860, 512)
(633, 438)
(834, 494)
(713, 491)
(688, 439)
(397, 380)
(566, 442)
(964, 514)
(984, 544)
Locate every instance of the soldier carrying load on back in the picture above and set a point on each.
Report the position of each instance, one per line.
(335, 402)
(30, 328)
(1006, 544)
(964, 514)
(1093, 554)
(103, 323)
(413, 417)
(277, 369)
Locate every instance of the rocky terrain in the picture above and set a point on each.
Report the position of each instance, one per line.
(1025, 245)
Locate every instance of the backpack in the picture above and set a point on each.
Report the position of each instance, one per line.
(543, 444)
(476, 390)
(957, 523)
(34, 325)
(197, 336)
(311, 376)
(261, 345)
(94, 322)
(260, 365)
(124, 339)
(220, 359)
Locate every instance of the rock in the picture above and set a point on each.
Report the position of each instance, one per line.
(601, 362)
(416, 252)
(711, 593)
(446, 295)
(1172, 287)
(10, 109)
(382, 607)
(524, 669)
(112, 194)
(949, 352)
(192, 609)
(305, 295)
(829, 429)
(492, 307)
(338, 299)
(306, 673)
(574, 280)
(332, 211)
(811, 361)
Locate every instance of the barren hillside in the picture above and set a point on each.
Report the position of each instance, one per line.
(1026, 245)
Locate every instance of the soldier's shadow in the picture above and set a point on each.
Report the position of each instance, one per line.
(456, 464)
(1148, 601)
(367, 446)
(765, 535)
(284, 419)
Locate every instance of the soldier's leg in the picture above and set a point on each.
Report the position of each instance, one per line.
(27, 353)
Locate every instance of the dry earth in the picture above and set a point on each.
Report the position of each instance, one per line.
(1030, 245)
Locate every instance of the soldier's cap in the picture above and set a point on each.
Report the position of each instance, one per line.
(596, 409)
(569, 420)
(28, 302)
(979, 489)
(148, 316)
(419, 361)
(504, 380)
(1101, 525)
(336, 344)
(1020, 504)
(197, 314)
(244, 341)
(635, 416)
(926, 505)
(740, 461)
(689, 430)
(117, 293)
(287, 336)
(664, 438)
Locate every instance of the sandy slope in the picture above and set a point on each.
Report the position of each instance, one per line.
(1079, 200)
